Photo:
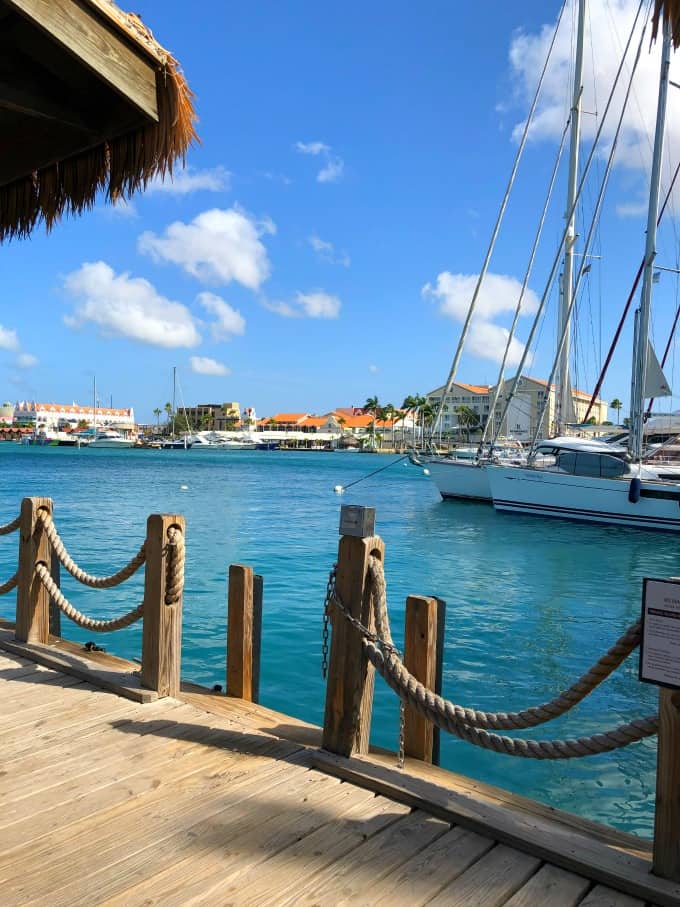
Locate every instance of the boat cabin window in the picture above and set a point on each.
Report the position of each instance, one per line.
(591, 464)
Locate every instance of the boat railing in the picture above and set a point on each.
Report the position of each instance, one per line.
(40, 599)
(361, 644)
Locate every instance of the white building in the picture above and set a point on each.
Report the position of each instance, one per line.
(56, 416)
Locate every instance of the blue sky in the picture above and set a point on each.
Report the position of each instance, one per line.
(320, 248)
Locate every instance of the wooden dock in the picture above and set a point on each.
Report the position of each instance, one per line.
(209, 799)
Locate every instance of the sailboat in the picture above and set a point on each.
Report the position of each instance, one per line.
(107, 438)
(465, 477)
(174, 443)
(608, 487)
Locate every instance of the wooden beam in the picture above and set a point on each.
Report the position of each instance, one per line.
(33, 600)
(420, 657)
(667, 814)
(162, 626)
(240, 632)
(97, 46)
(349, 691)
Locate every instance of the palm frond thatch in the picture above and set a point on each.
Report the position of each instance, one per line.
(119, 166)
(668, 11)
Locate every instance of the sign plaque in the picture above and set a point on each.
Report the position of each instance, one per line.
(357, 521)
(660, 640)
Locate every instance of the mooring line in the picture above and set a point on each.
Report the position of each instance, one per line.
(340, 488)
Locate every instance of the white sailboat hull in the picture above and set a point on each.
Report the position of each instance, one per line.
(585, 498)
(461, 479)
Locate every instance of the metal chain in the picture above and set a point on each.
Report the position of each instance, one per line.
(330, 595)
(402, 731)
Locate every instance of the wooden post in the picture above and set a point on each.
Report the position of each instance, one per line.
(240, 634)
(349, 691)
(258, 584)
(162, 625)
(438, 680)
(33, 601)
(666, 855)
(420, 657)
(55, 613)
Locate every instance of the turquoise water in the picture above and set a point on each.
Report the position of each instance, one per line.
(530, 603)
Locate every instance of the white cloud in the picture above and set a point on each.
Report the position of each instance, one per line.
(229, 321)
(373, 369)
(498, 295)
(312, 147)
(632, 209)
(334, 167)
(218, 246)
(8, 339)
(125, 306)
(319, 304)
(26, 360)
(202, 365)
(122, 208)
(608, 27)
(310, 305)
(182, 182)
(488, 341)
(326, 251)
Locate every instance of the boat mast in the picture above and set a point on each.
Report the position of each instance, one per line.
(637, 392)
(174, 391)
(563, 403)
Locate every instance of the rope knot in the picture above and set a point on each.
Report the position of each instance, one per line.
(174, 582)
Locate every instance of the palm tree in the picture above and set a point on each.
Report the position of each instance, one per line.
(617, 405)
(468, 418)
(342, 422)
(157, 413)
(410, 405)
(388, 412)
(171, 416)
(372, 406)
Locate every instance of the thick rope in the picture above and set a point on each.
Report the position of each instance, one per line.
(174, 583)
(96, 582)
(10, 527)
(89, 623)
(10, 584)
(470, 724)
(499, 721)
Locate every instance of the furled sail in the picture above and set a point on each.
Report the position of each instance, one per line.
(656, 384)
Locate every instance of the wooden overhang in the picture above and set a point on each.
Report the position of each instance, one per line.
(89, 101)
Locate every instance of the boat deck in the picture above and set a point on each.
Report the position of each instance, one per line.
(214, 800)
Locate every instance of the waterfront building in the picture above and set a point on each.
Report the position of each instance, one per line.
(65, 416)
(521, 421)
(6, 414)
(213, 416)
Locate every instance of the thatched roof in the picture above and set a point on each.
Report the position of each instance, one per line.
(668, 10)
(93, 104)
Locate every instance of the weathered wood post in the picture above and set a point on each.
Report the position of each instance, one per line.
(244, 633)
(420, 657)
(162, 622)
(55, 613)
(666, 854)
(349, 691)
(33, 600)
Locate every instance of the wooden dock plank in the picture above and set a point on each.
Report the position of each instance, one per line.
(490, 881)
(284, 872)
(344, 881)
(423, 876)
(232, 842)
(553, 886)
(602, 896)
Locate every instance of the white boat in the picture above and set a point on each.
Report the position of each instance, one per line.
(108, 438)
(594, 485)
(212, 441)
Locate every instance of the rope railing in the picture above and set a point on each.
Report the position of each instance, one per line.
(10, 527)
(472, 724)
(10, 584)
(88, 623)
(95, 582)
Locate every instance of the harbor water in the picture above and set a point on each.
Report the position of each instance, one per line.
(530, 603)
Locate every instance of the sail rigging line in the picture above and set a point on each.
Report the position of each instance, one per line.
(496, 229)
(626, 308)
(558, 253)
(527, 275)
(591, 231)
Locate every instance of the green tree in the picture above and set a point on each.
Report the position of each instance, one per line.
(467, 418)
(618, 406)
(170, 417)
(372, 407)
